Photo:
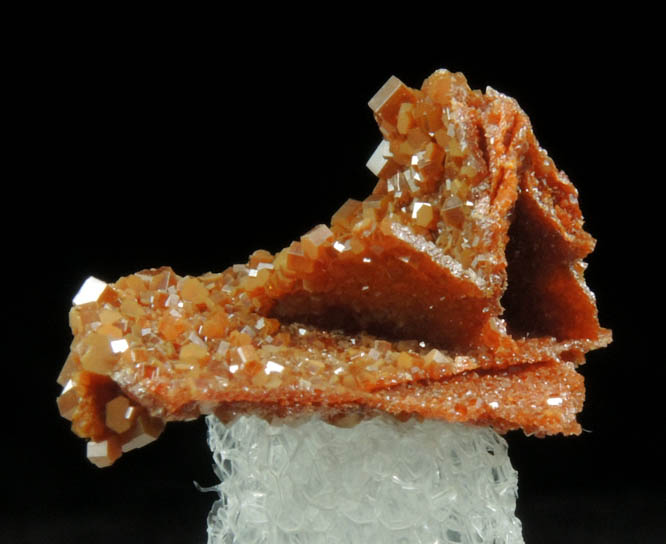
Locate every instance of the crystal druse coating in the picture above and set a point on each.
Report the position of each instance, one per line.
(454, 291)
(381, 481)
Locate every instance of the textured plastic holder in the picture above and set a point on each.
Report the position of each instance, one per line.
(379, 481)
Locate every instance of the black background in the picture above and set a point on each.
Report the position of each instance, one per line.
(179, 142)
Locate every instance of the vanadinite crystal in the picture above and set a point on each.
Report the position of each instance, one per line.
(454, 291)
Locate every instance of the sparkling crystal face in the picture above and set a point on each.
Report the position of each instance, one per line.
(454, 291)
(90, 291)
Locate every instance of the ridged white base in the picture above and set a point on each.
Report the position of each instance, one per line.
(380, 481)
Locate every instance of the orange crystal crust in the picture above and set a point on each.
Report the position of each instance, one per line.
(454, 291)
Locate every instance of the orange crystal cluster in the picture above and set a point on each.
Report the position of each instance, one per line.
(454, 291)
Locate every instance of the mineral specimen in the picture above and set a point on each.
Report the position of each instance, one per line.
(454, 291)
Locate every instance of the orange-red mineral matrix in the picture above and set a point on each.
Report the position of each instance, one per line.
(455, 290)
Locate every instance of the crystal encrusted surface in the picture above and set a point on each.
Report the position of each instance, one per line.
(380, 481)
(454, 291)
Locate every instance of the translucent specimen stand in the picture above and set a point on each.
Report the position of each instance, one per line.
(380, 481)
